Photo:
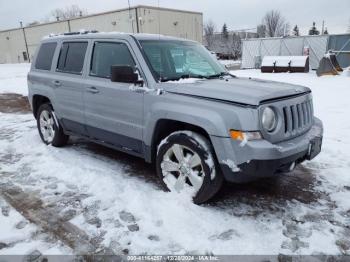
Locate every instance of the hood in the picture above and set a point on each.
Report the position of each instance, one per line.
(243, 91)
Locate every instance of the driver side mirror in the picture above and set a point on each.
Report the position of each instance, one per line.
(123, 74)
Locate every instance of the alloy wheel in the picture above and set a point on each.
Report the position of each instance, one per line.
(182, 166)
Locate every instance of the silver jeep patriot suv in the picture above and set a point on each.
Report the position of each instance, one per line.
(169, 101)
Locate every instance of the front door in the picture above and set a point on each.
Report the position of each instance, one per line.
(113, 111)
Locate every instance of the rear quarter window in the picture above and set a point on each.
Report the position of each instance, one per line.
(71, 59)
(45, 55)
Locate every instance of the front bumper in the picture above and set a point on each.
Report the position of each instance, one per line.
(260, 158)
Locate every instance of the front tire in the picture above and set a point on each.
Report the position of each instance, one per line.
(49, 129)
(186, 161)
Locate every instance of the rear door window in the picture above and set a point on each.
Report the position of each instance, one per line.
(71, 59)
(45, 55)
(106, 54)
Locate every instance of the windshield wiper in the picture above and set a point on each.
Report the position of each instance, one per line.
(165, 79)
(185, 76)
(192, 76)
(220, 75)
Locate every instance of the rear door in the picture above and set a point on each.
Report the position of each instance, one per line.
(68, 87)
(113, 111)
(41, 72)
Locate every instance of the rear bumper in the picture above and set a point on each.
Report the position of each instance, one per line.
(258, 159)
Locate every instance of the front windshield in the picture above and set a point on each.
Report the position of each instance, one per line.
(173, 60)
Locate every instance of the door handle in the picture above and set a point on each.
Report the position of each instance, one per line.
(56, 83)
(92, 90)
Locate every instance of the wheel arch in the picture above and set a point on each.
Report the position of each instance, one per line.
(165, 127)
(37, 101)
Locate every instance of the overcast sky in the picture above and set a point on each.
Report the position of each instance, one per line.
(238, 14)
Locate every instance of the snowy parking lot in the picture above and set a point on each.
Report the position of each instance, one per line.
(86, 198)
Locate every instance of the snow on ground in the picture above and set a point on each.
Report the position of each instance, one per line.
(230, 62)
(13, 78)
(167, 222)
(117, 201)
(19, 236)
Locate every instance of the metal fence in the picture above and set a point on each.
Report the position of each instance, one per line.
(341, 43)
(254, 50)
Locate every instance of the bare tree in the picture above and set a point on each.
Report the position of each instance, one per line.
(275, 23)
(209, 30)
(261, 31)
(67, 12)
(224, 31)
(296, 30)
(313, 30)
(236, 45)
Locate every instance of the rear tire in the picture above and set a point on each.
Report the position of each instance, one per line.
(186, 159)
(50, 130)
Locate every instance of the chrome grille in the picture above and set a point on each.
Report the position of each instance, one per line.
(297, 117)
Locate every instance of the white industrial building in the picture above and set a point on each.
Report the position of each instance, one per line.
(18, 45)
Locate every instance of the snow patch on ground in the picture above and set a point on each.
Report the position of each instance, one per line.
(13, 78)
(230, 62)
(346, 72)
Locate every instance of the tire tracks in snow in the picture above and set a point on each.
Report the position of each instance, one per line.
(33, 209)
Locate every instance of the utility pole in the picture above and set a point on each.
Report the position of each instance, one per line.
(131, 18)
(25, 40)
(69, 28)
(322, 27)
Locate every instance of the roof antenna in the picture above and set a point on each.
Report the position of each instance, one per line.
(130, 17)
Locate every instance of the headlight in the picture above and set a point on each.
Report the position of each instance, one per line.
(269, 119)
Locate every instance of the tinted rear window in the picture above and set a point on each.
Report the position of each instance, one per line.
(71, 59)
(45, 55)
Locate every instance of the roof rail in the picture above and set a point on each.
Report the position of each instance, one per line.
(81, 32)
